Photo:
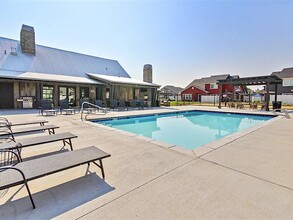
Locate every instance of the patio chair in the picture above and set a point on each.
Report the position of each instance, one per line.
(84, 100)
(19, 173)
(253, 105)
(64, 107)
(47, 108)
(99, 103)
(143, 104)
(86, 107)
(263, 106)
(122, 105)
(29, 142)
(134, 104)
(113, 104)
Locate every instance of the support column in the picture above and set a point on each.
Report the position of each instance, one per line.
(56, 96)
(233, 93)
(276, 92)
(112, 92)
(220, 96)
(267, 97)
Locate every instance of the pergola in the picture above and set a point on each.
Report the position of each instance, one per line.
(253, 81)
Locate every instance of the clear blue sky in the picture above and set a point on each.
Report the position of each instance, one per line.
(183, 40)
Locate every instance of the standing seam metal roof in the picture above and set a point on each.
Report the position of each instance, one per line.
(55, 61)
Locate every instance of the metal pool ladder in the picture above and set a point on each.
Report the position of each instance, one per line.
(281, 112)
(92, 110)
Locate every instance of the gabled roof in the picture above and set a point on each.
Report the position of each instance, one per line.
(285, 73)
(200, 88)
(171, 89)
(55, 61)
(200, 83)
(120, 80)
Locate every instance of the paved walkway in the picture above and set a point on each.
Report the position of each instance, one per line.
(248, 177)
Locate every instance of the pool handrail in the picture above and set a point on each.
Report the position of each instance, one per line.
(282, 112)
(90, 104)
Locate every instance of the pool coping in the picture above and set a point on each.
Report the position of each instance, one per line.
(201, 150)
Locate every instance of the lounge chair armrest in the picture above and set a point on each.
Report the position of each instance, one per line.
(5, 124)
(24, 181)
(6, 133)
(7, 138)
(3, 119)
(11, 167)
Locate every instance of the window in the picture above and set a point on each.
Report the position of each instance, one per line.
(48, 93)
(67, 93)
(84, 92)
(187, 97)
(288, 82)
(213, 86)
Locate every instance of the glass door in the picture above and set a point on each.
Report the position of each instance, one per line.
(84, 93)
(67, 92)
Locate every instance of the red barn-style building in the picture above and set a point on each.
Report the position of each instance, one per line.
(209, 86)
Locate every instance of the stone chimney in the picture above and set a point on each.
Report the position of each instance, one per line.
(148, 73)
(27, 40)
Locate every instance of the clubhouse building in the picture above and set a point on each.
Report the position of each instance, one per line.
(33, 72)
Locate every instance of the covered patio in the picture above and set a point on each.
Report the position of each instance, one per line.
(252, 81)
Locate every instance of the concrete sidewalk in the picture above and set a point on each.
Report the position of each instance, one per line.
(247, 178)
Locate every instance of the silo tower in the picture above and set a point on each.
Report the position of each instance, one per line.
(148, 73)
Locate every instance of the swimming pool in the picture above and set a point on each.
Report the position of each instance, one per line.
(186, 129)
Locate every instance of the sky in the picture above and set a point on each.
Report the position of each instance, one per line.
(183, 40)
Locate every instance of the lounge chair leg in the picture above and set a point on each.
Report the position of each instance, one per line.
(29, 193)
(101, 167)
(51, 131)
(88, 168)
(70, 144)
(25, 183)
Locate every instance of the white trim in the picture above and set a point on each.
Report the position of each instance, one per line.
(46, 77)
(123, 80)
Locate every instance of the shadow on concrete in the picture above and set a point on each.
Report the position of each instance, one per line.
(4, 112)
(57, 200)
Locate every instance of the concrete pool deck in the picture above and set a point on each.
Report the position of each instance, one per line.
(245, 177)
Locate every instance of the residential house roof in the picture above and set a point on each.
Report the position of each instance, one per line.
(285, 73)
(171, 89)
(200, 83)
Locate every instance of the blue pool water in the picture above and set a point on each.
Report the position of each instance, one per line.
(186, 129)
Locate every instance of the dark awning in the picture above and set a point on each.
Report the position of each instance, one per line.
(251, 81)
